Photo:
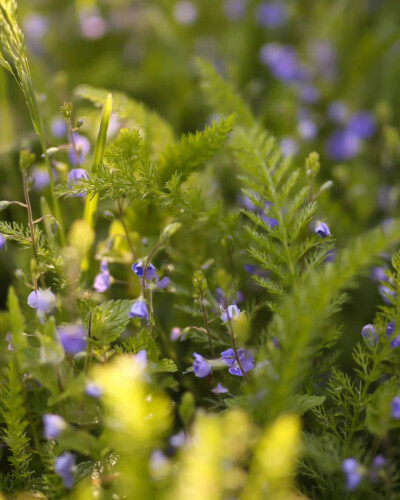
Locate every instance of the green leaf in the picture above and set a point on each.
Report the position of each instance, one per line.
(301, 403)
(164, 365)
(17, 321)
(187, 407)
(109, 320)
(51, 351)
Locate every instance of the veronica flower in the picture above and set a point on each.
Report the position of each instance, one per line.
(139, 310)
(283, 62)
(58, 127)
(178, 440)
(378, 464)
(75, 175)
(201, 366)
(386, 293)
(353, 472)
(102, 280)
(390, 329)
(378, 274)
(362, 124)
(175, 333)
(309, 94)
(93, 390)
(65, 468)
(230, 313)
(322, 229)
(337, 112)
(43, 301)
(271, 14)
(307, 129)
(141, 359)
(73, 338)
(93, 26)
(395, 342)
(40, 177)
(2, 242)
(185, 13)
(396, 407)
(53, 425)
(151, 273)
(246, 359)
(343, 145)
(289, 147)
(370, 335)
(219, 389)
(83, 148)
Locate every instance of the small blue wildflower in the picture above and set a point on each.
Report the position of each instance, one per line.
(322, 229)
(283, 62)
(53, 425)
(390, 329)
(337, 112)
(378, 274)
(2, 242)
(93, 26)
(230, 313)
(141, 359)
(102, 280)
(353, 472)
(201, 366)
(35, 26)
(163, 283)
(330, 256)
(139, 310)
(378, 464)
(43, 301)
(219, 389)
(175, 334)
(271, 14)
(40, 178)
(73, 338)
(65, 468)
(324, 57)
(289, 147)
(395, 342)
(386, 293)
(83, 148)
(309, 94)
(76, 174)
(343, 145)
(369, 334)
(362, 124)
(185, 13)
(58, 127)
(94, 390)
(178, 440)
(396, 407)
(151, 273)
(158, 461)
(307, 129)
(246, 359)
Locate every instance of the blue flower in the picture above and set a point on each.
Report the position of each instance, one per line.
(307, 129)
(390, 329)
(289, 147)
(231, 313)
(370, 335)
(53, 425)
(83, 147)
(322, 229)
(309, 94)
(40, 177)
(139, 310)
(362, 124)
(271, 14)
(396, 407)
(395, 342)
(58, 127)
(219, 389)
(378, 464)
(43, 301)
(65, 468)
(353, 472)
(185, 13)
(73, 338)
(343, 145)
(76, 174)
(378, 274)
(102, 280)
(94, 390)
(337, 112)
(141, 359)
(175, 334)
(282, 62)
(151, 273)
(2, 242)
(201, 366)
(386, 293)
(246, 359)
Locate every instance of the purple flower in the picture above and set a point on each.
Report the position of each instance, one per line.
(234, 9)
(307, 129)
(246, 359)
(322, 229)
(282, 62)
(231, 313)
(396, 407)
(362, 124)
(163, 283)
(65, 468)
(94, 390)
(386, 293)
(390, 329)
(219, 389)
(289, 147)
(40, 177)
(353, 473)
(370, 335)
(2, 242)
(35, 26)
(93, 26)
(178, 440)
(75, 175)
(53, 425)
(73, 338)
(139, 310)
(343, 145)
(151, 273)
(201, 366)
(378, 274)
(102, 280)
(58, 127)
(42, 300)
(395, 342)
(309, 94)
(324, 58)
(141, 359)
(185, 13)
(271, 14)
(83, 147)
(337, 112)
(175, 334)
(378, 464)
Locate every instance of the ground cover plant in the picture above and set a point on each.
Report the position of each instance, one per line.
(199, 250)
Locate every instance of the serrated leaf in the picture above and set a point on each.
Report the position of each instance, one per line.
(109, 320)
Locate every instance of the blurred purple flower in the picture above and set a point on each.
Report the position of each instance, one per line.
(2, 242)
(309, 94)
(324, 58)
(42, 300)
(219, 389)
(53, 425)
(378, 464)
(246, 359)
(201, 366)
(93, 26)
(9, 340)
(58, 127)
(362, 124)
(151, 273)
(35, 26)
(378, 274)
(395, 342)
(353, 473)
(369, 334)
(322, 229)
(338, 112)
(391, 328)
(386, 293)
(175, 334)
(343, 145)
(82, 144)
(40, 176)
(230, 313)
(141, 359)
(289, 147)
(65, 468)
(185, 13)
(234, 9)
(76, 174)
(307, 129)
(102, 280)
(73, 338)
(271, 14)
(139, 310)
(396, 407)
(94, 390)
(283, 62)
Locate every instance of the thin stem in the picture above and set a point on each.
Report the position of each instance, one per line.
(235, 347)
(74, 146)
(18, 203)
(89, 353)
(121, 216)
(205, 318)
